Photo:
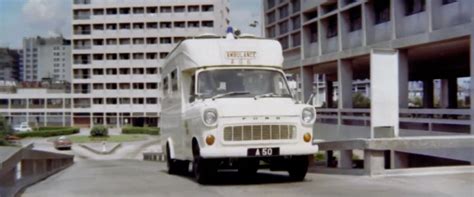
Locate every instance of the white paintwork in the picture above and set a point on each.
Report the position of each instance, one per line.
(384, 85)
(181, 121)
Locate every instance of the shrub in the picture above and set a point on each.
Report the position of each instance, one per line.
(5, 128)
(99, 131)
(43, 132)
(141, 130)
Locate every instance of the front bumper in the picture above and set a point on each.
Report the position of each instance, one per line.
(241, 151)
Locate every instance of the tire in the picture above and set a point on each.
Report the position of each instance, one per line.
(248, 167)
(298, 167)
(172, 165)
(203, 169)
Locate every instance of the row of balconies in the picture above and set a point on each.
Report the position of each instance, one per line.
(125, 11)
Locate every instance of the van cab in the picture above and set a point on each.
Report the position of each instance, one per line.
(227, 105)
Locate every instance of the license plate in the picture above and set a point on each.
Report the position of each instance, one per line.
(263, 151)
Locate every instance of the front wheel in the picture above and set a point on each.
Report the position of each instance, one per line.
(298, 167)
(171, 163)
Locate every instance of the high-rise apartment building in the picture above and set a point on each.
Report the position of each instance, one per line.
(118, 47)
(46, 58)
(9, 65)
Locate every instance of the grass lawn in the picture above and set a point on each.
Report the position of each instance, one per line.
(112, 138)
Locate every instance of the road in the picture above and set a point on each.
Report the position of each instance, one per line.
(143, 178)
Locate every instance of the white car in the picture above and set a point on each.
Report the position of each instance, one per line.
(23, 127)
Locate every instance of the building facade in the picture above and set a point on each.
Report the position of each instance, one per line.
(9, 65)
(46, 58)
(118, 48)
(335, 38)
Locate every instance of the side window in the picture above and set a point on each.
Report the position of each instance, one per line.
(192, 95)
(165, 86)
(174, 81)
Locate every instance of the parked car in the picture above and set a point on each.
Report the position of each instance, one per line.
(23, 127)
(63, 143)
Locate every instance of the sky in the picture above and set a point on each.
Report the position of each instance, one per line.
(26, 18)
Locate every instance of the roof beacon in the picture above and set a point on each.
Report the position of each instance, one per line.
(230, 33)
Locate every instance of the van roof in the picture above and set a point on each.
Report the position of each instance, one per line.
(212, 52)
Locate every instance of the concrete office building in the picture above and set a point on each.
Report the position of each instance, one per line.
(334, 38)
(9, 64)
(118, 47)
(46, 58)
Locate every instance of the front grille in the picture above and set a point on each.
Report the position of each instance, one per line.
(259, 132)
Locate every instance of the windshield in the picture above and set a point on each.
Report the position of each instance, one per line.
(242, 83)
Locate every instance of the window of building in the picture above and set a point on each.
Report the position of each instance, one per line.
(178, 39)
(138, 86)
(381, 11)
(151, 40)
(137, 100)
(124, 26)
(331, 27)
(138, 71)
(271, 17)
(179, 24)
(296, 5)
(283, 27)
(207, 8)
(138, 26)
(414, 6)
(193, 24)
(98, 86)
(98, 11)
(151, 101)
(165, 9)
(111, 101)
(444, 2)
(193, 8)
(97, 71)
(124, 56)
(124, 41)
(163, 55)
(124, 11)
(124, 100)
(151, 56)
(111, 86)
(283, 11)
(152, 25)
(271, 3)
(165, 40)
(138, 10)
(165, 85)
(355, 20)
(111, 71)
(165, 25)
(124, 71)
(138, 41)
(111, 11)
(111, 26)
(284, 42)
(207, 24)
(98, 26)
(296, 21)
(97, 101)
(151, 86)
(151, 71)
(296, 39)
(271, 32)
(138, 56)
(124, 86)
(152, 10)
(98, 57)
(111, 56)
(179, 9)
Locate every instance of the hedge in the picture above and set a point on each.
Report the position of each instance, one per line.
(141, 130)
(99, 131)
(43, 132)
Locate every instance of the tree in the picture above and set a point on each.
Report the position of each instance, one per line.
(5, 129)
(360, 101)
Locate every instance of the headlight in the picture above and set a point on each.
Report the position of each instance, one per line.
(210, 117)
(308, 115)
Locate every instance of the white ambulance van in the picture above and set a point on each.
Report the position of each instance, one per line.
(227, 105)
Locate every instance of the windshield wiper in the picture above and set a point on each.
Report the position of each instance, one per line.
(271, 94)
(228, 94)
